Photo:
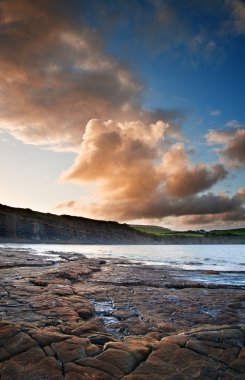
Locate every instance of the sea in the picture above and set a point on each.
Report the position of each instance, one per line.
(227, 259)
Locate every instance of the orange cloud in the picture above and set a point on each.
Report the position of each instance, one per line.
(183, 179)
(55, 76)
(135, 179)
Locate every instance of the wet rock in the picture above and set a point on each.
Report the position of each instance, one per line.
(71, 349)
(123, 360)
(19, 343)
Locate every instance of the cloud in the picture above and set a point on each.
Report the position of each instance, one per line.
(183, 179)
(56, 76)
(192, 210)
(137, 175)
(233, 141)
(237, 15)
(234, 215)
(214, 113)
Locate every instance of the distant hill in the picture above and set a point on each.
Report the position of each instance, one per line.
(165, 235)
(165, 232)
(18, 225)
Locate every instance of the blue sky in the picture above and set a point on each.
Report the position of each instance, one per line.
(124, 110)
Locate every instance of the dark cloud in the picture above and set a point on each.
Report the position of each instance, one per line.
(192, 210)
(237, 20)
(233, 141)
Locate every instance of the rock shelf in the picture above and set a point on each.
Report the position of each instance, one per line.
(81, 318)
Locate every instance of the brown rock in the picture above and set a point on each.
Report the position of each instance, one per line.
(28, 357)
(62, 290)
(231, 375)
(48, 351)
(239, 363)
(71, 349)
(152, 369)
(77, 372)
(46, 337)
(229, 355)
(75, 275)
(3, 354)
(191, 364)
(137, 350)
(86, 312)
(101, 365)
(123, 360)
(164, 351)
(176, 339)
(84, 327)
(47, 369)
(7, 331)
(92, 350)
(39, 282)
(100, 339)
(19, 343)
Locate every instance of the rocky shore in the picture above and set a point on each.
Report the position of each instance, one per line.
(80, 318)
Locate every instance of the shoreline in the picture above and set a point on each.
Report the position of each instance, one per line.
(80, 314)
(157, 241)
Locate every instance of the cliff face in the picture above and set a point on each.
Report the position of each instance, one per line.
(24, 225)
(18, 225)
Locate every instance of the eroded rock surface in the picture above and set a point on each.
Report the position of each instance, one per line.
(79, 318)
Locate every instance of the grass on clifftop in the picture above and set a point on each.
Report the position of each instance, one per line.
(165, 232)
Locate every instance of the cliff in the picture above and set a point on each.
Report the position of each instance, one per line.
(25, 225)
(18, 225)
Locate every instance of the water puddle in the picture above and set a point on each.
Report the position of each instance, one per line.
(104, 310)
(210, 312)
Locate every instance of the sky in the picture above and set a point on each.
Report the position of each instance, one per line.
(127, 110)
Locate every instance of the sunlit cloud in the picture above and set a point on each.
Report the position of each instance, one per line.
(136, 175)
(56, 76)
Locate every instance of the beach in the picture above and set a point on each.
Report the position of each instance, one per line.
(71, 317)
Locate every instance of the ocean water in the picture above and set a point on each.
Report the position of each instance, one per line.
(192, 257)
